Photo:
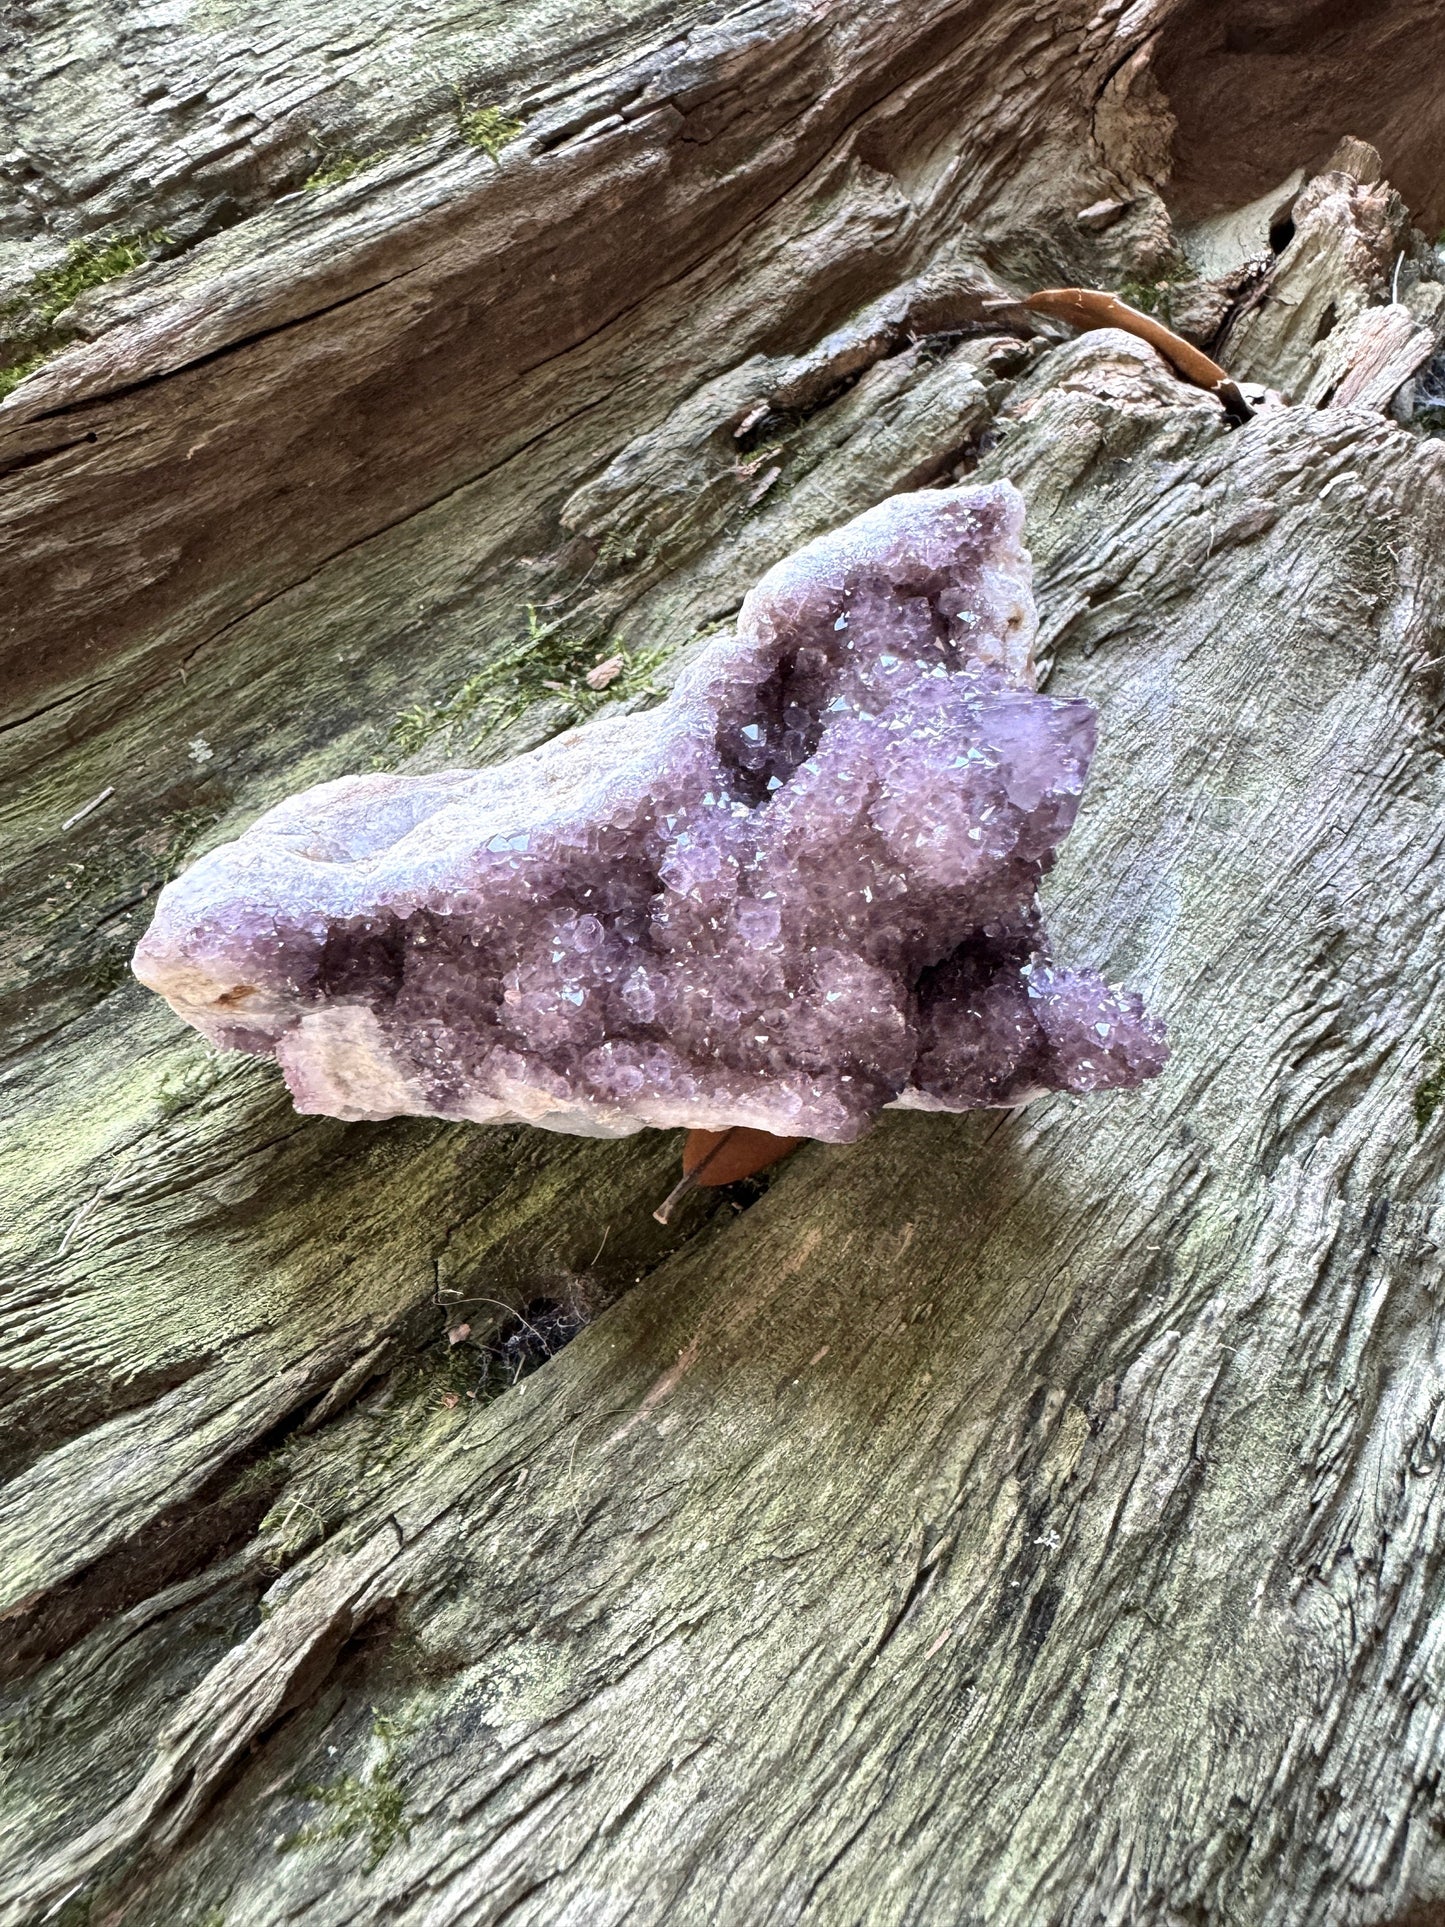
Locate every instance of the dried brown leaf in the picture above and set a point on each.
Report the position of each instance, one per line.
(722, 1157)
(1087, 308)
(603, 673)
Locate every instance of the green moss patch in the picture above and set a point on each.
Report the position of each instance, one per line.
(489, 128)
(336, 168)
(371, 1804)
(546, 666)
(1156, 297)
(1430, 1091)
(11, 377)
(87, 265)
(30, 323)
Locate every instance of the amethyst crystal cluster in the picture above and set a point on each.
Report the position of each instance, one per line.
(803, 889)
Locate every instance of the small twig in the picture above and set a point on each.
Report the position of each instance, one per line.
(1395, 282)
(85, 808)
(690, 1180)
(571, 1462)
(79, 1219)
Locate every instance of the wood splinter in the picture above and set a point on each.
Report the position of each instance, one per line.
(722, 1157)
(1087, 308)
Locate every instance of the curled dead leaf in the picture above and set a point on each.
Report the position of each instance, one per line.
(722, 1157)
(1086, 308)
(603, 673)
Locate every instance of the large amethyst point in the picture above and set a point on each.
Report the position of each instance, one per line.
(802, 889)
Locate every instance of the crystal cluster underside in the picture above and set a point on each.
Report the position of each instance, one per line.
(802, 889)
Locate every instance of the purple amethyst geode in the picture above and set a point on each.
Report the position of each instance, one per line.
(802, 889)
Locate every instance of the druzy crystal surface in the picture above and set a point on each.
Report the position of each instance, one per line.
(802, 889)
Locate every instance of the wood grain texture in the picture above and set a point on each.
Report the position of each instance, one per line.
(1003, 1520)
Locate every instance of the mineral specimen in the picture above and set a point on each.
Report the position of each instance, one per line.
(802, 889)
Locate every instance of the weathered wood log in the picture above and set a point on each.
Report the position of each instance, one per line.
(1015, 1519)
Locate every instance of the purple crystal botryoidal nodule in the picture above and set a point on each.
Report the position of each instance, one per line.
(802, 889)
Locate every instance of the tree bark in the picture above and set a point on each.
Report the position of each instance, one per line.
(1012, 1519)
